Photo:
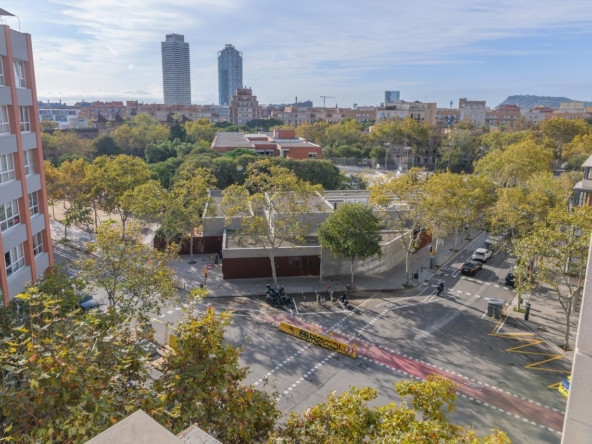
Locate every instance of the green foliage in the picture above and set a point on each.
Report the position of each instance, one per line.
(201, 130)
(177, 132)
(165, 171)
(105, 146)
(135, 276)
(352, 231)
(516, 164)
(135, 136)
(273, 205)
(264, 124)
(349, 419)
(240, 152)
(161, 152)
(201, 384)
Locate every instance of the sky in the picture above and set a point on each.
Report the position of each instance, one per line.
(430, 50)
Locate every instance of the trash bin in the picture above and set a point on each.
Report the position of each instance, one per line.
(416, 275)
(527, 311)
(495, 308)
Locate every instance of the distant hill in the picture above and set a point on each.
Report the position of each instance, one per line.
(528, 101)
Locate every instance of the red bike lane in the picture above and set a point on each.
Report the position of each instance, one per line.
(504, 402)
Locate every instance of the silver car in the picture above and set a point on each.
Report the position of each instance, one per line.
(481, 255)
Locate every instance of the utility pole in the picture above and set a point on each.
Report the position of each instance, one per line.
(325, 98)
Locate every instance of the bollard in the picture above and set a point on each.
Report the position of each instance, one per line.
(527, 311)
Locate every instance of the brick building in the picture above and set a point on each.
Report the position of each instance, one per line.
(243, 107)
(25, 238)
(279, 143)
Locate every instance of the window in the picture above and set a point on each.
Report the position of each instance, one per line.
(25, 121)
(37, 244)
(6, 168)
(15, 260)
(19, 74)
(9, 215)
(33, 203)
(312, 155)
(4, 123)
(29, 162)
(1, 72)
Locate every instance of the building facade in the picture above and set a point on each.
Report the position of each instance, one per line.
(243, 107)
(25, 238)
(503, 115)
(279, 143)
(230, 73)
(473, 110)
(422, 112)
(391, 96)
(176, 70)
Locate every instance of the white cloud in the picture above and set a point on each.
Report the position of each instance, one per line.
(350, 50)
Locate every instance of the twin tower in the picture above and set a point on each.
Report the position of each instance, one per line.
(176, 71)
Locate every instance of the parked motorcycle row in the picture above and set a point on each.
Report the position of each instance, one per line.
(278, 298)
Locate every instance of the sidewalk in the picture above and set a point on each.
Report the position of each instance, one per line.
(191, 276)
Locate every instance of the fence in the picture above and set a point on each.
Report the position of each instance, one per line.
(400, 164)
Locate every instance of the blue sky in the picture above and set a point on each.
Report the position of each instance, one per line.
(430, 50)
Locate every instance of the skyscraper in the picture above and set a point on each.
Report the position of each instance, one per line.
(230, 73)
(391, 96)
(176, 72)
(25, 239)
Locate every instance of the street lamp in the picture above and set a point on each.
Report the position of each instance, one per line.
(407, 148)
(386, 147)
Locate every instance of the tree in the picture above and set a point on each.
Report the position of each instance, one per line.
(314, 132)
(161, 152)
(78, 214)
(516, 164)
(114, 177)
(150, 202)
(135, 276)
(352, 231)
(66, 376)
(555, 253)
(54, 189)
(201, 384)
(192, 196)
(105, 146)
(563, 131)
(177, 132)
(348, 418)
(143, 130)
(264, 124)
(272, 205)
(65, 142)
(240, 152)
(201, 129)
(400, 204)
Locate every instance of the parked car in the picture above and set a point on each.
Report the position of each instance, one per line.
(511, 279)
(471, 267)
(564, 386)
(87, 302)
(481, 255)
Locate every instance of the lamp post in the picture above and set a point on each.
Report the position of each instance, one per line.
(408, 149)
(386, 147)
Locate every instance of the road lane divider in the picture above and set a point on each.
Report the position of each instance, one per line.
(320, 340)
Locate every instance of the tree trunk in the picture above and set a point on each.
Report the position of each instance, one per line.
(352, 272)
(65, 232)
(567, 326)
(191, 261)
(408, 264)
(455, 239)
(273, 272)
(53, 211)
(437, 251)
(123, 221)
(96, 215)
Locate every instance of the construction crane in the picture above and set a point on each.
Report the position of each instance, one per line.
(325, 98)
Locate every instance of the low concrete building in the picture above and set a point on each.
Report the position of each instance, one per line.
(423, 112)
(245, 259)
(473, 110)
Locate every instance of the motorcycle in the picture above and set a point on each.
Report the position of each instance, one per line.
(278, 297)
(344, 300)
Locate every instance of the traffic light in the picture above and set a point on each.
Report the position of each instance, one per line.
(431, 249)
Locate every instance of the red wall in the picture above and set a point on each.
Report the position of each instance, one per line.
(302, 153)
(260, 267)
(201, 245)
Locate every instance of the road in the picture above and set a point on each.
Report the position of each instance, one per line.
(399, 337)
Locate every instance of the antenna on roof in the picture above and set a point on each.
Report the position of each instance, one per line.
(5, 13)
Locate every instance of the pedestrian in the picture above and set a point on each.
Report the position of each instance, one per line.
(318, 299)
(220, 254)
(216, 259)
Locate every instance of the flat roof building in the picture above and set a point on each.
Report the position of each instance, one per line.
(25, 238)
(176, 70)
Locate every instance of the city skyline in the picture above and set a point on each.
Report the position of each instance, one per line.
(176, 70)
(432, 52)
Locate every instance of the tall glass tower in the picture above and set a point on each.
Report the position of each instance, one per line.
(230, 73)
(176, 72)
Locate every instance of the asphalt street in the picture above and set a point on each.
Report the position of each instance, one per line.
(399, 337)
